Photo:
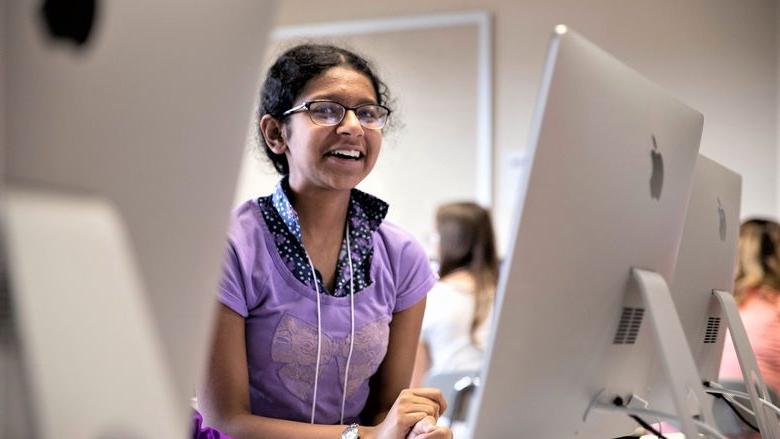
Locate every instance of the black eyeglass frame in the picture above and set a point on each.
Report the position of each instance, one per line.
(305, 107)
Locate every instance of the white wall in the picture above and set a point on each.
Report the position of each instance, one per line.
(719, 56)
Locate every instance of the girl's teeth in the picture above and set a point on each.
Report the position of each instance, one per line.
(350, 154)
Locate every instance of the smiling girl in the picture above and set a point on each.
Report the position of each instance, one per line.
(321, 298)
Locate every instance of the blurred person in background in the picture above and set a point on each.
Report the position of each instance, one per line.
(460, 305)
(757, 292)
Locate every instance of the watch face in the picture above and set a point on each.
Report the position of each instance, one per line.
(351, 432)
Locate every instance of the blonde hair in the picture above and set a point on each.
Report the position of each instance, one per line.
(466, 242)
(758, 260)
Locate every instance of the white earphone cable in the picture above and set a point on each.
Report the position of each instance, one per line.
(319, 332)
(352, 326)
(319, 341)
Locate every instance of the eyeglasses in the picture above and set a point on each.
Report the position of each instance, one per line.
(329, 113)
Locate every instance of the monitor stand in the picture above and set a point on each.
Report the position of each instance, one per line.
(754, 382)
(683, 380)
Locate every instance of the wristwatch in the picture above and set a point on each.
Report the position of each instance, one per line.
(350, 432)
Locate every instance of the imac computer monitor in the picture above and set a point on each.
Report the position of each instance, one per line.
(706, 261)
(612, 157)
(122, 130)
(703, 283)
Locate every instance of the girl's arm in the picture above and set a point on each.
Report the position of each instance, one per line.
(395, 372)
(422, 363)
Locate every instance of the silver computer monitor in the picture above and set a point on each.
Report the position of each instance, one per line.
(706, 261)
(133, 114)
(704, 279)
(611, 164)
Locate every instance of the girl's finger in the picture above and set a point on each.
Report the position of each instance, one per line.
(428, 409)
(422, 400)
(432, 394)
(437, 433)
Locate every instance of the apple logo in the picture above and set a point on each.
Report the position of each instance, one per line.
(69, 20)
(721, 221)
(657, 175)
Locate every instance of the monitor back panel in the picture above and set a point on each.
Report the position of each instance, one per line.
(707, 260)
(151, 113)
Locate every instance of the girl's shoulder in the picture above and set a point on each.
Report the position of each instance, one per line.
(398, 254)
(248, 234)
(399, 250)
(395, 241)
(392, 232)
(246, 220)
(246, 214)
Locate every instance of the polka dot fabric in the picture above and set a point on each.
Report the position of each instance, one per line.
(364, 215)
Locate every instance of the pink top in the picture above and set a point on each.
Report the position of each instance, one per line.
(761, 318)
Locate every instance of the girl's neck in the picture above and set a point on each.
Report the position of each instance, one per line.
(322, 215)
(320, 211)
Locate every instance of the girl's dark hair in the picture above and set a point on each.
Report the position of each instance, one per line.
(467, 242)
(288, 76)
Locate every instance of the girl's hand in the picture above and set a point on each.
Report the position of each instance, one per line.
(427, 429)
(411, 407)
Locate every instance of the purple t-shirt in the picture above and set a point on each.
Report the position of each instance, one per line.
(281, 320)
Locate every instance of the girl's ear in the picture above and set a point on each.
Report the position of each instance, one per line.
(273, 133)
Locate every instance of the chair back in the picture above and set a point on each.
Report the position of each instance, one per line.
(457, 388)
